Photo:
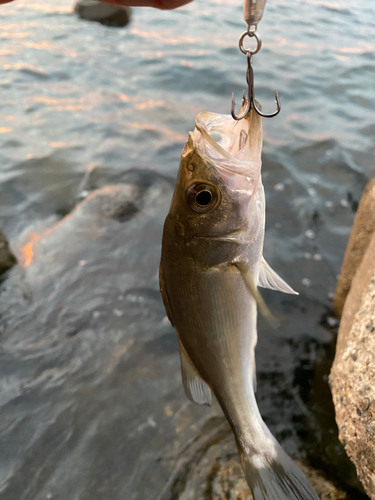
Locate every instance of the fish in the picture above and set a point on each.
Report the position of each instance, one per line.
(211, 267)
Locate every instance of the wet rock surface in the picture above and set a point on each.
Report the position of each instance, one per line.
(92, 404)
(363, 228)
(7, 259)
(352, 378)
(110, 15)
(325, 489)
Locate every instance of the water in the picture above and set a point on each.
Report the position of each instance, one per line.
(82, 104)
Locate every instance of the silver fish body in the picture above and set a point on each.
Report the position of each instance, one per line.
(212, 246)
(253, 11)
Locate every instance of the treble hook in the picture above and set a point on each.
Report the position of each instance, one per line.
(250, 83)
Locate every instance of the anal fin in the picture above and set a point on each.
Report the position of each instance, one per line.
(196, 389)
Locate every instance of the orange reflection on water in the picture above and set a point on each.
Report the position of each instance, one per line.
(281, 41)
(7, 52)
(63, 104)
(186, 63)
(45, 100)
(48, 9)
(301, 45)
(362, 49)
(150, 103)
(14, 35)
(123, 97)
(49, 46)
(340, 58)
(293, 117)
(4, 130)
(29, 67)
(27, 254)
(38, 45)
(73, 107)
(18, 26)
(164, 37)
(171, 135)
(89, 101)
(58, 144)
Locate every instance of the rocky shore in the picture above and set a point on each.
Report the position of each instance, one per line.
(352, 377)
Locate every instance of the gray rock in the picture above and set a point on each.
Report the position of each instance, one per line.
(98, 176)
(363, 228)
(111, 15)
(7, 259)
(325, 488)
(352, 377)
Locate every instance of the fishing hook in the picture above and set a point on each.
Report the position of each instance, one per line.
(250, 81)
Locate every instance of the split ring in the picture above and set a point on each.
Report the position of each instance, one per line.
(250, 34)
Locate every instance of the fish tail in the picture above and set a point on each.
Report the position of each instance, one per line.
(275, 479)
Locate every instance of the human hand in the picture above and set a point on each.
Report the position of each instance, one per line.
(158, 4)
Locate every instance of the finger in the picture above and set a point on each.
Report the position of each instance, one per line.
(5, 1)
(158, 4)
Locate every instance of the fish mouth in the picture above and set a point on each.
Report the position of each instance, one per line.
(234, 146)
(230, 236)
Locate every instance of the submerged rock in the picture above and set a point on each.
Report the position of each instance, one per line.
(352, 377)
(7, 259)
(217, 475)
(326, 489)
(363, 228)
(111, 15)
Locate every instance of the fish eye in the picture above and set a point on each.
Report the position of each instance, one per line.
(202, 197)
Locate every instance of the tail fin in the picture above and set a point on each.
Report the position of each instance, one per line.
(277, 479)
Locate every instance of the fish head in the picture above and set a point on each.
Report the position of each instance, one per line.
(219, 200)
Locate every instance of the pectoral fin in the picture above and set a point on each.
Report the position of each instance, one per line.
(251, 286)
(195, 387)
(268, 278)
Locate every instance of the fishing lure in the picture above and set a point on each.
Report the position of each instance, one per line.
(253, 13)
